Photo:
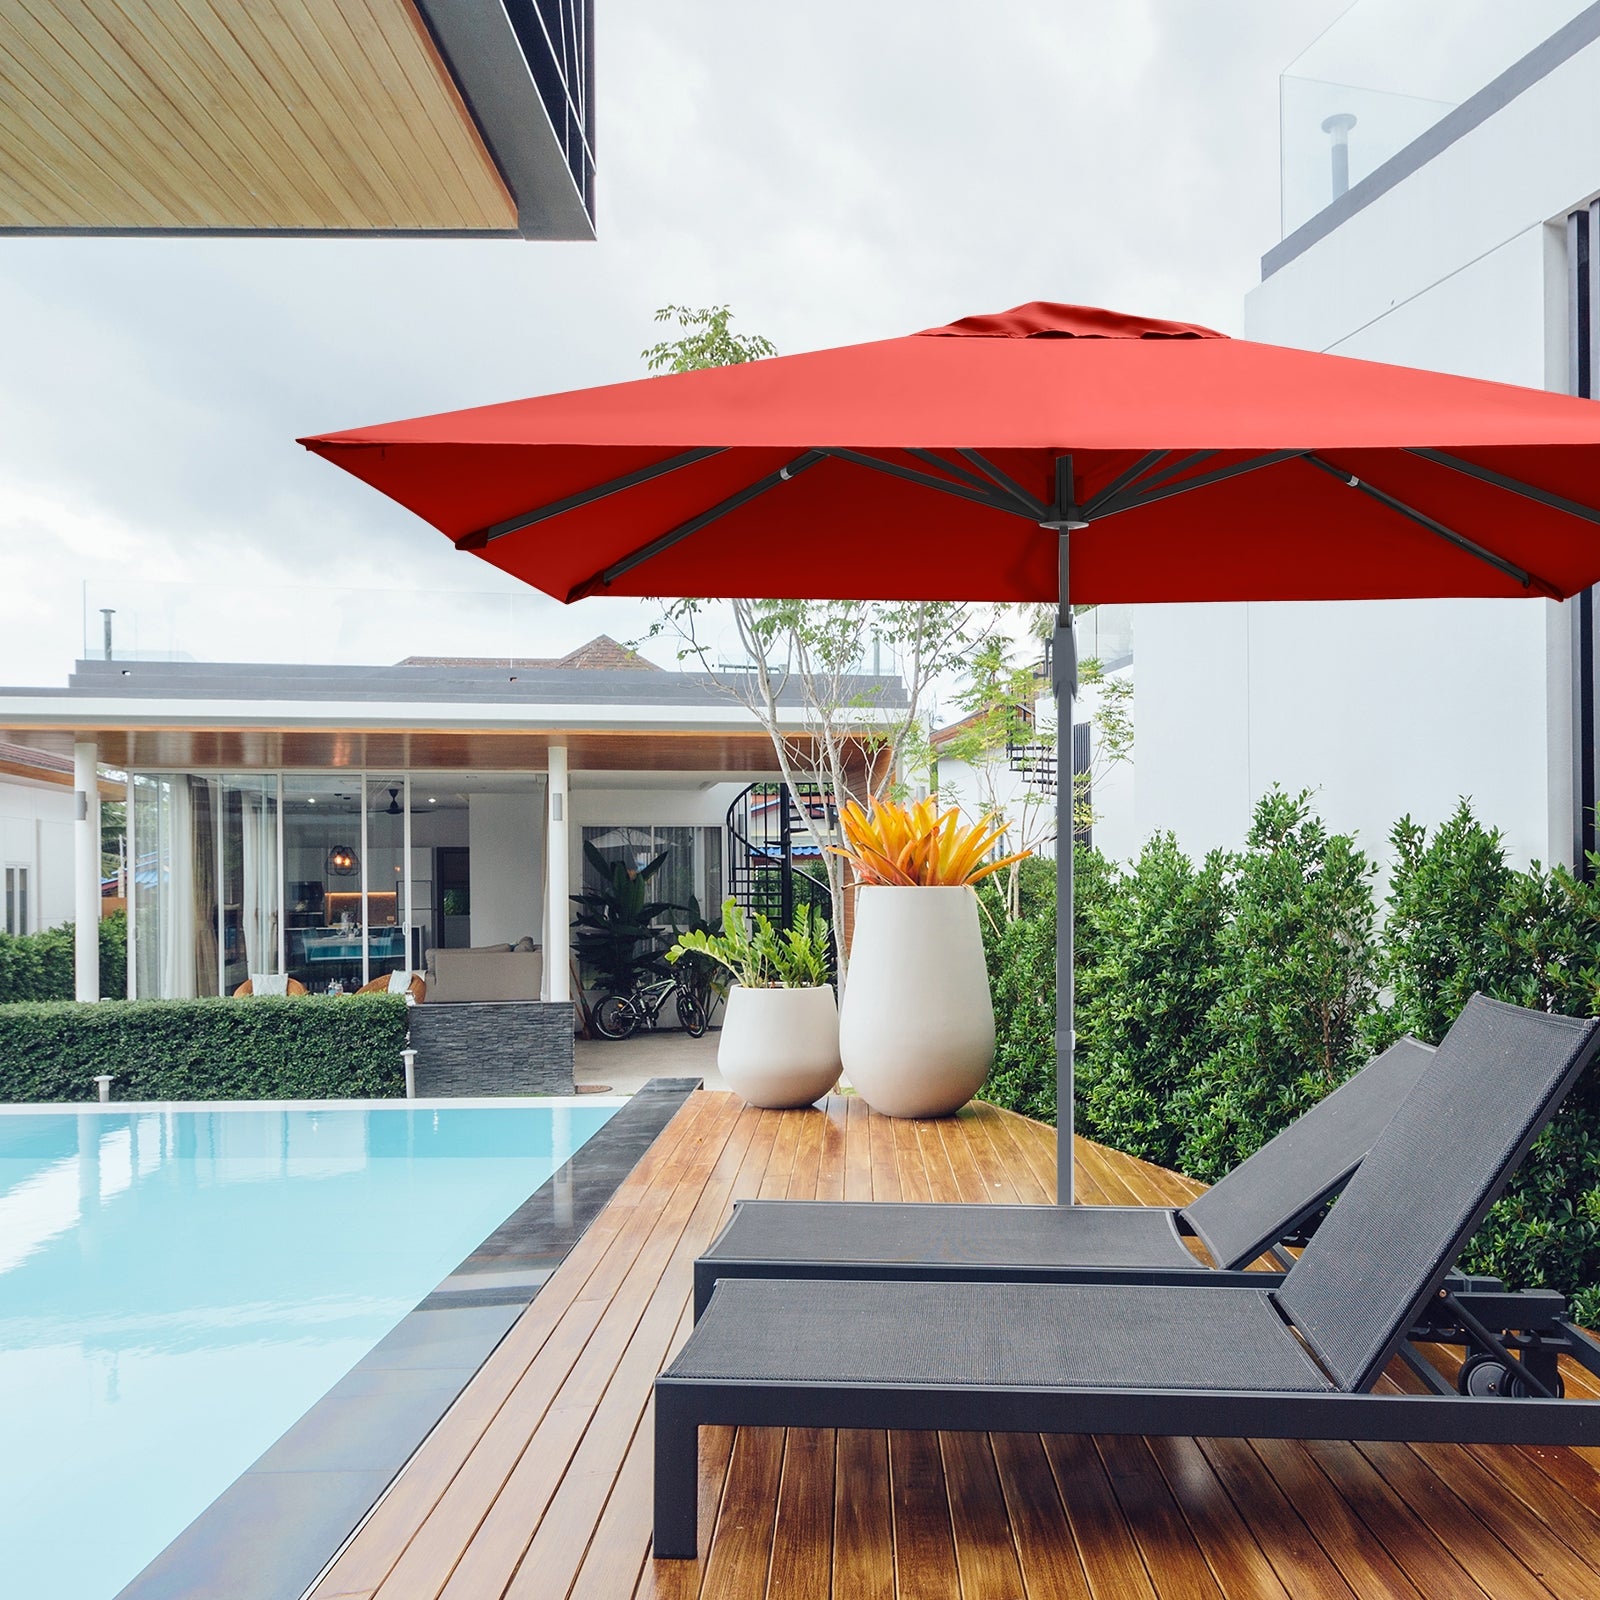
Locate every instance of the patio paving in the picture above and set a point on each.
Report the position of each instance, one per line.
(626, 1065)
(537, 1482)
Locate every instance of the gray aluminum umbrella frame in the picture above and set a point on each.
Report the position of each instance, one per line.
(1157, 475)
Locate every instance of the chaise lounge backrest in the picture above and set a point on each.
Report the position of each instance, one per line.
(1414, 1202)
(1291, 1176)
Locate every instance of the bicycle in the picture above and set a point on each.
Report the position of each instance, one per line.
(619, 1015)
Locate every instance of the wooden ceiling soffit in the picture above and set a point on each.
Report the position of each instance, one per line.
(250, 749)
(300, 116)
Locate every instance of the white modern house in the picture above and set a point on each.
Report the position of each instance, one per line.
(333, 824)
(1019, 781)
(1440, 173)
(37, 811)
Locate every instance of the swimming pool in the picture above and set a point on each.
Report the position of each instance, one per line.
(178, 1285)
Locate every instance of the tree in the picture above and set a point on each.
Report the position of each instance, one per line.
(815, 651)
(1001, 702)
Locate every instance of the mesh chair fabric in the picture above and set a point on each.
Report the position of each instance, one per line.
(761, 1330)
(952, 1235)
(1435, 1170)
(1256, 1203)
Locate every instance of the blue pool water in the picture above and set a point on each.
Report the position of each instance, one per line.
(178, 1286)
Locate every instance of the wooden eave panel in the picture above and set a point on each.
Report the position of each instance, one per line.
(316, 115)
(152, 749)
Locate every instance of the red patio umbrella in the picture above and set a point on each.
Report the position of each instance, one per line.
(1168, 462)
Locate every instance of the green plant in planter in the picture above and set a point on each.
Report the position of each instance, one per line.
(615, 932)
(757, 955)
(697, 972)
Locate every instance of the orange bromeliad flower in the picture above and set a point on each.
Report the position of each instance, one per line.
(915, 846)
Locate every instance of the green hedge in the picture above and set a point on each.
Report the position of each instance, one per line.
(306, 1048)
(39, 966)
(1217, 1001)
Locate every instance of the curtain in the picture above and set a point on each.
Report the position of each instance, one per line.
(203, 832)
(258, 819)
(175, 894)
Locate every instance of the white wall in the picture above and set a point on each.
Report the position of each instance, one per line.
(1383, 708)
(686, 805)
(1387, 708)
(505, 834)
(36, 821)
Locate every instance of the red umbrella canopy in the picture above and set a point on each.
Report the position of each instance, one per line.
(1190, 466)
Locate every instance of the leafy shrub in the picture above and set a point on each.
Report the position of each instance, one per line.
(1022, 976)
(1143, 1004)
(1439, 942)
(39, 966)
(263, 1049)
(1296, 979)
(1461, 920)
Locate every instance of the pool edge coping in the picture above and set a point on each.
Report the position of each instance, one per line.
(279, 1526)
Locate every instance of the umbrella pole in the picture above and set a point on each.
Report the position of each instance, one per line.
(1064, 671)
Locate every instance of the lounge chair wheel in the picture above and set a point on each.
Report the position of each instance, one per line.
(1486, 1375)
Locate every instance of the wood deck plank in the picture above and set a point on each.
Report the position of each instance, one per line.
(863, 1520)
(924, 1543)
(1159, 1528)
(802, 1540)
(986, 1553)
(914, 1180)
(857, 1150)
(1048, 1555)
(831, 1168)
(538, 1481)
(1111, 1558)
(1235, 1557)
(477, 1535)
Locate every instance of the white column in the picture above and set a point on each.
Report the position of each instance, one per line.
(86, 871)
(131, 861)
(558, 941)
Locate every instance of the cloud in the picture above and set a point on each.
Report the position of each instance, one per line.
(845, 172)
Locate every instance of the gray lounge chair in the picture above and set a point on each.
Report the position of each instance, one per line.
(1262, 1202)
(1295, 1361)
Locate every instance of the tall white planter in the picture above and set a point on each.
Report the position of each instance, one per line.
(916, 1027)
(780, 1047)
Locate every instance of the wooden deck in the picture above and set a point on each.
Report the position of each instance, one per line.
(537, 1482)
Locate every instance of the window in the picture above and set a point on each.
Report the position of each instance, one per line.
(677, 881)
(17, 900)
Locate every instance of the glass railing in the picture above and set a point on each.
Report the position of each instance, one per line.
(1383, 74)
(331, 625)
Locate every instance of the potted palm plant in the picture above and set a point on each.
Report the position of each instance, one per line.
(916, 1027)
(780, 1030)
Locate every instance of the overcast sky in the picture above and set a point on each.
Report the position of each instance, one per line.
(846, 171)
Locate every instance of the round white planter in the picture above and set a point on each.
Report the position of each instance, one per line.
(916, 1028)
(780, 1047)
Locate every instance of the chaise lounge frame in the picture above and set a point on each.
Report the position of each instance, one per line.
(1297, 1360)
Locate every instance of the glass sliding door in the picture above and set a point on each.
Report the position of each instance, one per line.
(386, 909)
(175, 903)
(322, 865)
(251, 878)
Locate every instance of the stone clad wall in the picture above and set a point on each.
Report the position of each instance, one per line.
(493, 1047)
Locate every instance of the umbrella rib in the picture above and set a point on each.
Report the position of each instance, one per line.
(1516, 486)
(1146, 488)
(1205, 480)
(1036, 507)
(1122, 480)
(479, 537)
(609, 575)
(928, 480)
(1433, 525)
(960, 474)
